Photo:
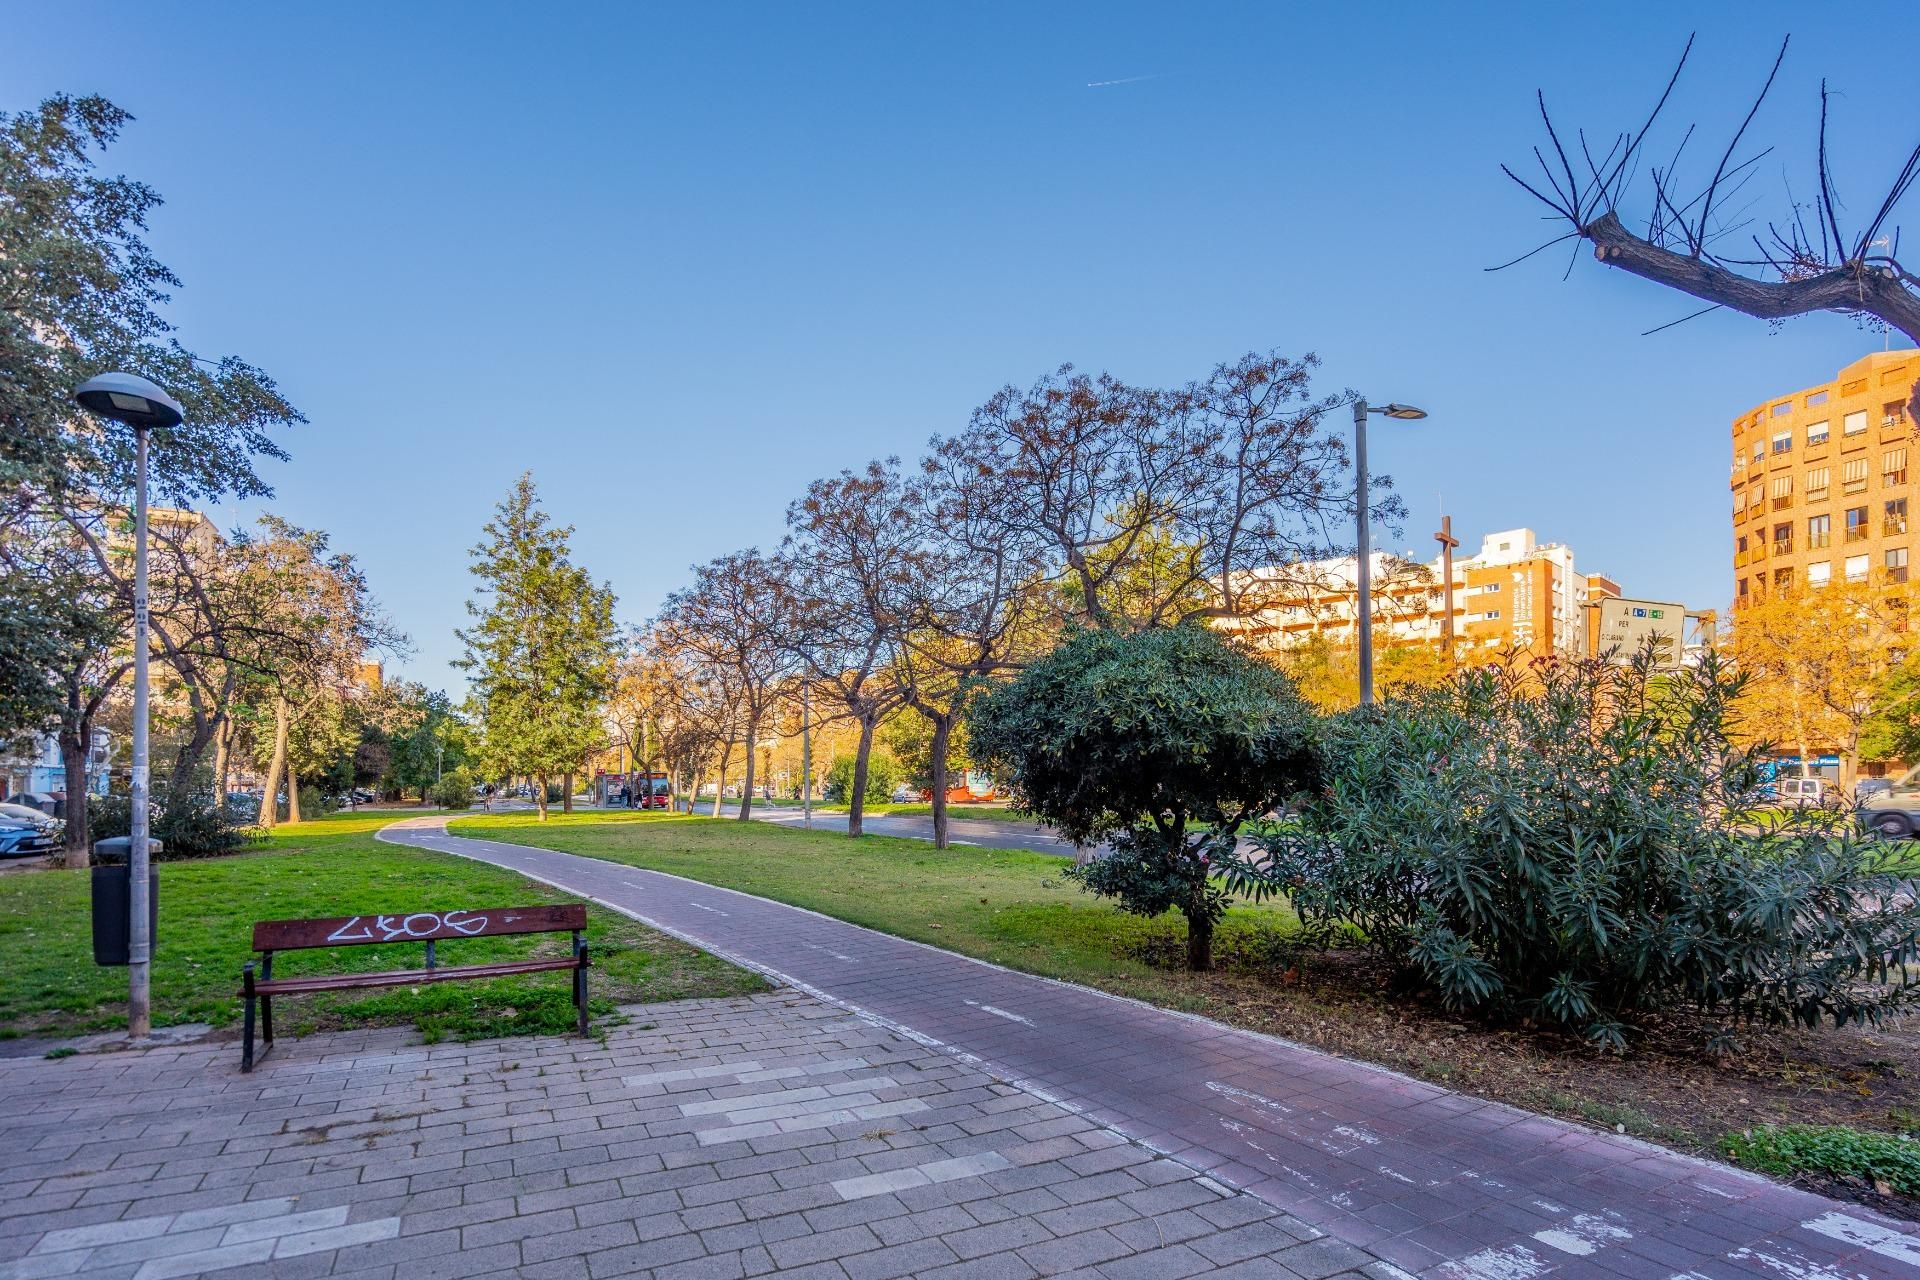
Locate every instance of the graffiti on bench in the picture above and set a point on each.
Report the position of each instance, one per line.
(421, 924)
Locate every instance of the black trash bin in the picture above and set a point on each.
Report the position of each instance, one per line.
(112, 892)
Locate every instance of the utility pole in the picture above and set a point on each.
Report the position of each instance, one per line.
(806, 752)
(1447, 543)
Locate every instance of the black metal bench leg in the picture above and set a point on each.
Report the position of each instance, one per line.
(246, 993)
(580, 982)
(266, 1022)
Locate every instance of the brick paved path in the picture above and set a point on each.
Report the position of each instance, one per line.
(1439, 1183)
(705, 1140)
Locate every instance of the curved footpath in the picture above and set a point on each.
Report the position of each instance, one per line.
(1435, 1182)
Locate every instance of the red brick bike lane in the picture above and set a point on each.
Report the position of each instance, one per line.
(1435, 1182)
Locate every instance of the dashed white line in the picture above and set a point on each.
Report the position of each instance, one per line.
(1000, 1013)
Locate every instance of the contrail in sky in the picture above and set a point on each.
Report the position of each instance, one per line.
(1101, 84)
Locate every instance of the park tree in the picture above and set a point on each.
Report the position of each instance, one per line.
(1150, 506)
(851, 554)
(1163, 743)
(978, 604)
(735, 624)
(81, 292)
(426, 739)
(542, 645)
(1812, 658)
(1697, 231)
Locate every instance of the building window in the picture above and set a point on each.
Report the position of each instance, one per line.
(1893, 413)
(1819, 532)
(1816, 433)
(1782, 492)
(1817, 481)
(1853, 476)
(1782, 409)
(1782, 579)
(1782, 539)
(1743, 588)
(1849, 388)
(1894, 519)
(1856, 568)
(1817, 398)
(1759, 450)
(1854, 423)
(1856, 524)
(1491, 613)
(1783, 442)
(1819, 575)
(1893, 467)
(1896, 564)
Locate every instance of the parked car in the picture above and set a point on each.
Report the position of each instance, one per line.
(1895, 811)
(904, 794)
(1805, 793)
(1870, 787)
(27, 813)
(20, 838)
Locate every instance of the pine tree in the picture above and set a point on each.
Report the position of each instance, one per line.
(542, 646)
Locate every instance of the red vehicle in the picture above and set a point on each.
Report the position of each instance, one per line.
(652, 791)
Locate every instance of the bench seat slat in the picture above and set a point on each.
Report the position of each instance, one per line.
(407, 977)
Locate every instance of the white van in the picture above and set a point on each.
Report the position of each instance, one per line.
(1805, 793)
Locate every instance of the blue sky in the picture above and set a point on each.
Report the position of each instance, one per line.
(681, 260)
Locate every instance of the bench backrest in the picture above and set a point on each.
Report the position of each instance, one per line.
(421, 926)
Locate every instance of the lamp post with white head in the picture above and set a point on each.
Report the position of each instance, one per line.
(128, 398)
(1363, 575)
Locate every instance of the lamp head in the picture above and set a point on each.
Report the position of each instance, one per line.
(129, 398)
(1403, 411)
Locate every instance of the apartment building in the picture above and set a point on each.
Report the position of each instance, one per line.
(1516, 592)
(1822, 489)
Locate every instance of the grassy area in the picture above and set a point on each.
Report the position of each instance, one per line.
(1888, 1162)
(1008, 906)
(330, 867)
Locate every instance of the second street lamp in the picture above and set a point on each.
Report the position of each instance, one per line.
(140, 404)
(1363, 564)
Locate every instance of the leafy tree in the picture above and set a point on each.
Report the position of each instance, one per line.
(1813, 657)
(908, 737)
(1164, 743)
(877, 774)
(1573, 842)
(542, 646)
(428, 739)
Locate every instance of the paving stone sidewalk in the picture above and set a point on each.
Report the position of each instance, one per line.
(703, 1140)
(1440, 1184)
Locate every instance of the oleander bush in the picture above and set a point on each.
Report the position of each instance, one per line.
(1576, 843)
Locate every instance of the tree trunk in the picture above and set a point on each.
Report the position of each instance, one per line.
(540, 794)
(74, 742)
(1199, 943)
(937, 773)
(293, 793)
(746, 783)
(720, 779)
(222, 757)
(277, 768)
(857, 800)
(566, 792)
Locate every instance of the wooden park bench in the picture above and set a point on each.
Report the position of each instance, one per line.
(429, 927)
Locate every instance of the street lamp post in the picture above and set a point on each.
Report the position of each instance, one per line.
(143, 406)
(806, 752)
(1363, 575)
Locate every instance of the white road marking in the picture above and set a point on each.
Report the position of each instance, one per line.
(814, 946)
(1258, 1101)
(1584, 1235)
(1794, 1265)
(1000, 1013)
(1884, 1241)
(704, 907)
(1515, 1262)
(1357, 1134)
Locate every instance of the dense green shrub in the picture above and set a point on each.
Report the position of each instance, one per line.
(1877, 1158)
(882, 775)
(196, 827)
(1163, 743)
(1574, 842)
(453, 791)
(315, 803)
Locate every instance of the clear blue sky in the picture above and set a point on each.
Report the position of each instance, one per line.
(679, 261)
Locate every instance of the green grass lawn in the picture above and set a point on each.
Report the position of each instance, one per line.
(331, 867)
(1008, 906)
